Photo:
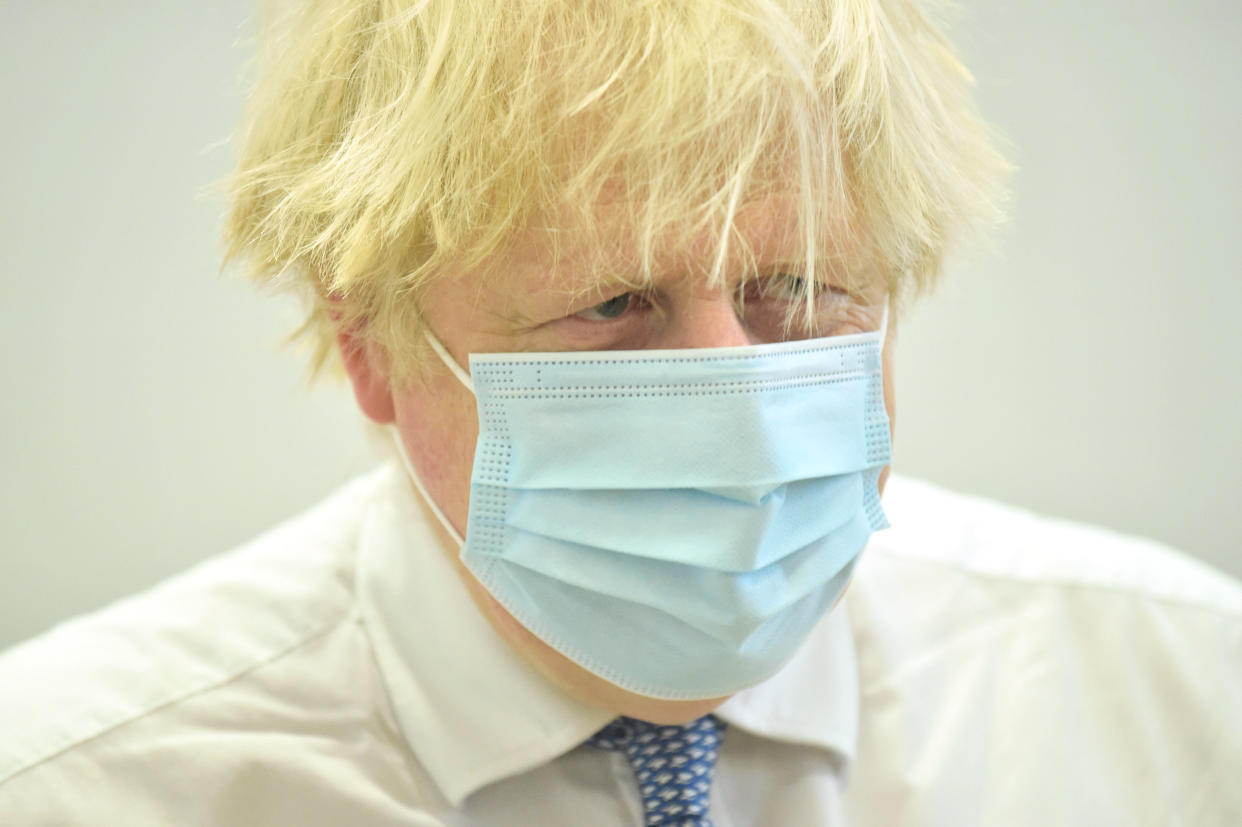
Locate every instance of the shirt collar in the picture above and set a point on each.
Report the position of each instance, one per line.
(474, 711)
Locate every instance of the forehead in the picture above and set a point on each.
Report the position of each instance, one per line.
(610, 248)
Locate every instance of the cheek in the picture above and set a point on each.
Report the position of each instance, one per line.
(439, 425)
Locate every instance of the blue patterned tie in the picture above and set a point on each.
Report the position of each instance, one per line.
(672, 764)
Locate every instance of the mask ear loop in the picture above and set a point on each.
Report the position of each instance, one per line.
(448, 360)
(884, 324)
(422, 489)
(464, 378)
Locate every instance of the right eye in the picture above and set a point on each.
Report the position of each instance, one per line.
(607, 310)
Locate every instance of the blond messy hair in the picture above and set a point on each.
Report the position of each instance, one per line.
(392, 142)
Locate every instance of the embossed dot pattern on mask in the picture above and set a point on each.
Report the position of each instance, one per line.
(673, 766)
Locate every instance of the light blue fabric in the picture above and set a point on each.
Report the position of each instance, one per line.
(676, 521)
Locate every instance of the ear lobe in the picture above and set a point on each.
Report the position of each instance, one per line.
(368, 374)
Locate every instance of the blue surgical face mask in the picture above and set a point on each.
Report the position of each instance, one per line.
(675, 521)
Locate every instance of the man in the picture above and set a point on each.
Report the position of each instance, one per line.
(621, 280)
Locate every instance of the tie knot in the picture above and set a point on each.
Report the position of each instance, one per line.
(672, 764)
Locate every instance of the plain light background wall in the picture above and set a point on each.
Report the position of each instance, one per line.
(1087, 363)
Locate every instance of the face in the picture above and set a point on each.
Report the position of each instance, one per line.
(530, 304)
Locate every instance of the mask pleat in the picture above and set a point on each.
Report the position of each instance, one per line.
(724, 605)
(663, 656)
(690, 526)
(772, 436)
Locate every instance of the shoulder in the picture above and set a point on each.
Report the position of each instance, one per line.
(991, 639)
(98, 681)
(973, 537)
(953, 564)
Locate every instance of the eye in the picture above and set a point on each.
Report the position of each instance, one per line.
(793, 288)
(784, 305)
(776, 288)
(783, 286)
(607, 310)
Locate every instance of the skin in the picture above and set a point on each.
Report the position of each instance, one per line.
(534, 306)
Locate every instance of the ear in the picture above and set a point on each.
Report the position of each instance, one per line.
(368, 373)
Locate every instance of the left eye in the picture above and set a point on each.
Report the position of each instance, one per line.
(783, 286)
(606, 310)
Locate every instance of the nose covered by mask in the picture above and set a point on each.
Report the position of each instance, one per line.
(675, 521)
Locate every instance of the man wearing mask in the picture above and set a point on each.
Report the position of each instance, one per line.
(620, 282)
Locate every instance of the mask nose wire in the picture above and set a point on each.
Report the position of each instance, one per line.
(464, 377)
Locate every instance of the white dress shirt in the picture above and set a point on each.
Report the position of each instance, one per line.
(986, 667)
